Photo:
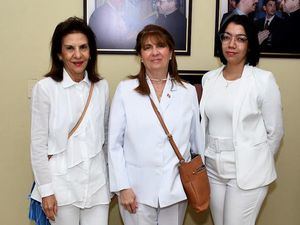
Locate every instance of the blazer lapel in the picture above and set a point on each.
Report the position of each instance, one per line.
(168, 95)
(153, 94)
(244, 87)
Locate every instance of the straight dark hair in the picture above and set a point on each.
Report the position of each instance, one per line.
(161, 36)
(265, 2)
(69, 26)
(252, 57)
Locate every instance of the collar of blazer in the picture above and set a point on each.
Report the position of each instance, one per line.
(243, 89)
(167, 96)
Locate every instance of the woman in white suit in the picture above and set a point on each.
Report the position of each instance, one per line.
(142, 164)
(242, 121)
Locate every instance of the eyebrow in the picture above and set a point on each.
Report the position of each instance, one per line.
(84, 44)
(235, 34)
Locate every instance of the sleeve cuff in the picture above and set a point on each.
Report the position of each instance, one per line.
(119, 188)
(46, 190)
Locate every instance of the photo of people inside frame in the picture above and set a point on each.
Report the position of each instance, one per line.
(277, 23)
(117, 22)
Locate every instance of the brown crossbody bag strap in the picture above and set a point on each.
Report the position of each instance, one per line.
(83, 112)
(192, 174)
(170, 137)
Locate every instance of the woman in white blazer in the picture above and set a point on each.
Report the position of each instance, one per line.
(242, 121)
(71, 172)
(143, 167)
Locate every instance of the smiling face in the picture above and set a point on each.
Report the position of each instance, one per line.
(75, 54)
(235, 45)
(155, 56)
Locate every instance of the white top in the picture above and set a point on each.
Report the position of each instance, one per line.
(139, 153)
(257, 124)
(269, 19)
(219, 108)
(77, 172)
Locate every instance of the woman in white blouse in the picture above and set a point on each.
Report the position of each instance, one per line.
(242, 120)
(142, 164)
(70, 173)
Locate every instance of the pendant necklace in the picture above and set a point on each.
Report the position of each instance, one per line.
(229, 82)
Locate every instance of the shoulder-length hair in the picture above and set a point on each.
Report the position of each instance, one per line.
(69, 26)
(252, 57)
(161, 36)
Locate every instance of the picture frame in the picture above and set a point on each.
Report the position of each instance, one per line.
(116, 26)
(193, 77)
(268, 49)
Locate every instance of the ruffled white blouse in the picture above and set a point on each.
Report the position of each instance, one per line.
(77, 171)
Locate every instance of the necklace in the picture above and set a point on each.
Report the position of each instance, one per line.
(229, 82)
(158, 80)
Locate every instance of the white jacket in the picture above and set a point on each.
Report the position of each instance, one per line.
(257, 124)
(139, 153)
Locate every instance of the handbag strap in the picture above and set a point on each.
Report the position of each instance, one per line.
(169, 135)
(83, 112)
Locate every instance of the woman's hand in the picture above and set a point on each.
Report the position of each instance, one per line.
(49, 205)
(128, 200)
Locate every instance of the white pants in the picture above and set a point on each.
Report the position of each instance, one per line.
(72, 215)
(229, 204)
(147, 215)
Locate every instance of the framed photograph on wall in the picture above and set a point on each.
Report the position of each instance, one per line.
(116, 23)
(193, 77)
(278, 29)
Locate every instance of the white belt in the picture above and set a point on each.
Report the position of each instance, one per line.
(220, 145)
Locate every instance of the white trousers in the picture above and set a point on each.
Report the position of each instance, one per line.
(229, 204)
(147, 215)
(72, 215)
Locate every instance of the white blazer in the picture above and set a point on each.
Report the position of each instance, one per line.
(139, 153)
(257, 124)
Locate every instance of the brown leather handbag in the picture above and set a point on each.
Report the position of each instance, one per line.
(193, 174)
